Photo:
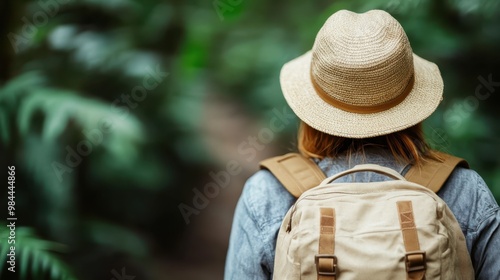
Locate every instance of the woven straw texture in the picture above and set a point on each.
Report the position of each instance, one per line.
(361, 78)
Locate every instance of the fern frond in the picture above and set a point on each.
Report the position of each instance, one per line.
(35, 256)
(61, 108)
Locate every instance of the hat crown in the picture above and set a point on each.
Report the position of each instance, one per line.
(362, 60)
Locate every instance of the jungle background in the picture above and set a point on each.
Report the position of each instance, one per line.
(117, 114)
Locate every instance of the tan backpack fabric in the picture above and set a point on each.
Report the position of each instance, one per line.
(378, 230)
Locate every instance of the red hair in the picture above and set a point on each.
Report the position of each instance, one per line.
(406, 146)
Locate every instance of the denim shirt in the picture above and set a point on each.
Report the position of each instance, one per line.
(264, 203)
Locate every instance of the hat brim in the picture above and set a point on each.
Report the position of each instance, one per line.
(420, 103)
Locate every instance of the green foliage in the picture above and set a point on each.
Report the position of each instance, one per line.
(34, 256)
(106, 234)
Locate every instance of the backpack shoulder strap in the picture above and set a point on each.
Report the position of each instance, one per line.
(295, 172)
(433, 174)
(299, 174)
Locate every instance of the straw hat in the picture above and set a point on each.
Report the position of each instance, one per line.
(361, 79)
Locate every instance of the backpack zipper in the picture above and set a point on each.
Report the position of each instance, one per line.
(289, 226)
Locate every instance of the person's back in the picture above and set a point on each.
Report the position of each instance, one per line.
(361, 95)
(265, 201)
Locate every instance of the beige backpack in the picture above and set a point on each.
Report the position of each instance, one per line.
(397, 229)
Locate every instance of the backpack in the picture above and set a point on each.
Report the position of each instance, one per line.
(398, 229)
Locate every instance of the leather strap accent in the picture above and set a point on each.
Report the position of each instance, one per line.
(415, 258)
(433, 174)
(326, 262)
(295, 172)
(363, 109)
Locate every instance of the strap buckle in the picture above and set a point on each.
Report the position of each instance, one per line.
(317, 257)
(415, 261)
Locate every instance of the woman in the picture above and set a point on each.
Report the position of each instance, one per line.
(361, 95)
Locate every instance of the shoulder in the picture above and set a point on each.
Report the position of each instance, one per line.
(469, 198)
(265, 198)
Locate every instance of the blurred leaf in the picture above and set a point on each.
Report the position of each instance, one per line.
(4, 126)
(62, 107)
(20, 85)
(113, 5)
(117, 237)
(145, 173)
(37, 252)
(486, 8)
